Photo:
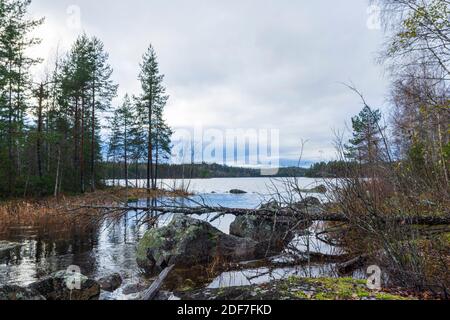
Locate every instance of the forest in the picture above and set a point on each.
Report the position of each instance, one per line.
(50, 127)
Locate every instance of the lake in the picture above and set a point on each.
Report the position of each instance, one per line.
(111, 248)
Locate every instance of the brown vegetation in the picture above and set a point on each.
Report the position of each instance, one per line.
(57, 215)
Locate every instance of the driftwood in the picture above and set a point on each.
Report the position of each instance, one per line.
(151, 292)
(353, 264)
(301, 214)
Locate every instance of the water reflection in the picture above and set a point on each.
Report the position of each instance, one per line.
(111, 247)
(265, 275)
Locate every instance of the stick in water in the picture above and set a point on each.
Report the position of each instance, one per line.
(151, 292)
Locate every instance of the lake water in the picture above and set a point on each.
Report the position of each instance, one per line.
(111, 248)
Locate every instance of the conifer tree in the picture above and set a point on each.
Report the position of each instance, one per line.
(150, 108)
(365, 146)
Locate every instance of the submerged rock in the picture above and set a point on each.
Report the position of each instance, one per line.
(237, 191)
(134, 288)
(110, 283)
(7, 247)
(319, 189)
(54, 287)
(14, 293)
(186, 242)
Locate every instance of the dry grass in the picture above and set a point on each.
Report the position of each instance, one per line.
(51, 215)
(414, 257)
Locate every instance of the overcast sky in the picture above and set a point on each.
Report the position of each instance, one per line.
(238, 64)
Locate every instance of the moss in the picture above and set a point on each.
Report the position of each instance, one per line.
(387, 296)
(301, 295)
(295, 288)
(322, 296)
(446, 237)
(152, 239)
(188, 285)
(342, 289)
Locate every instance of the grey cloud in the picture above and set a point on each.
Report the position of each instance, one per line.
(244, 64)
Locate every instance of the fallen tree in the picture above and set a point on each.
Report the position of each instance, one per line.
(305, 214)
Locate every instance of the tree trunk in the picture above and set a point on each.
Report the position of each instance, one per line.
(126, 154)
(57, 171)
(10, 137)
(39, 129)
(150, 148)
(82, 147)
(93, 138)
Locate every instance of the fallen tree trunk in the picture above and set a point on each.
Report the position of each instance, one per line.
(349, 266)
(284, 212)
(151, 292)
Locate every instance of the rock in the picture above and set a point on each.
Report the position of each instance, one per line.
(13, 293)
(319, 189)
(237, 191)
(293, 288)
(165, 296)
(273, 205)
(308, 202)
(271, 235)
(110, 283)
(187, 242)
(54, 287)
(7, 247)
(134, 288)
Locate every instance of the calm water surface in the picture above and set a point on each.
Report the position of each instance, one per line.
(111, 248)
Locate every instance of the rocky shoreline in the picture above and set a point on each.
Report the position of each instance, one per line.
(294, 288)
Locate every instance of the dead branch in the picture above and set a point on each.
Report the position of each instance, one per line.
(151, 292)
(283, 212)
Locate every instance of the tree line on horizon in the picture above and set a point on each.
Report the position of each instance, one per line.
(50, 125)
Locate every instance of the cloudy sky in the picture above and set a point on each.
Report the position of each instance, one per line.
(259, 64)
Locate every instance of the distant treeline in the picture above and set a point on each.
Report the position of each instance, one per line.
(205, 171)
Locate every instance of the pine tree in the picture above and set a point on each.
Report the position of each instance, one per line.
(15, 83)
(150, 108)
(122, 140)
(365, 146)
(86, 90)
(114, 144)
(138, 140)
(103, 90)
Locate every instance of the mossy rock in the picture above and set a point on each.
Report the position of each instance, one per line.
(187, 242)
(295, 288)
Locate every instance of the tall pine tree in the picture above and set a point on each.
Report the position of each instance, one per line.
(15, 86)
(150, 108)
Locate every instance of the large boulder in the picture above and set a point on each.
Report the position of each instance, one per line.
(110, 283)
(186, 242)
(273, 232)
(15, 293)
(55, 287)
